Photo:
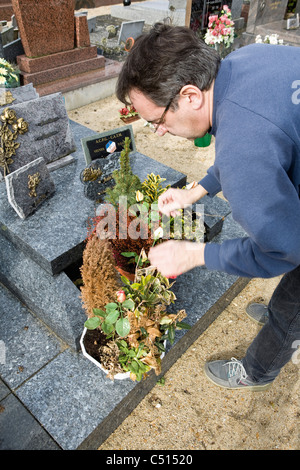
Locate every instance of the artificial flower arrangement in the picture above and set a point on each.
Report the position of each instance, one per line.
(220, 29)
(128, 113)
(128, 323)
(9, 75)
(269, 39)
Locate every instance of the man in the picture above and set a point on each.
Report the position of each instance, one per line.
(250, 102)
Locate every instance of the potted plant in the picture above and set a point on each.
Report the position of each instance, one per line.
(9, 75)
(127, 336)
(128, 114)
(220, 32)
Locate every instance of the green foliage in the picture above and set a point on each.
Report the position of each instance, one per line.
(130, 359)
(111, 320)
(152, 188)
(126, 182)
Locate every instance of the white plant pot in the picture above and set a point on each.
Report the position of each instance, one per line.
(119, 376)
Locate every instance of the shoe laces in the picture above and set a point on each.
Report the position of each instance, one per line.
(235, 367)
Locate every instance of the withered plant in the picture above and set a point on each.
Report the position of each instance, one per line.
(99, 275)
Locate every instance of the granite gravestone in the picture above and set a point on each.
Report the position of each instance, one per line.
(29, 187)
(45, 27)
(17, 95)
(265, 12)
(106, 143)
(131, 29)
(49, 134)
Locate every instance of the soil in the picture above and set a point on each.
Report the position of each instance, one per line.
(203, 416)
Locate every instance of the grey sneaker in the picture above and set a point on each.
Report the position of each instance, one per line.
(232, 374)
(258, 313)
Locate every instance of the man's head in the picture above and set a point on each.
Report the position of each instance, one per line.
(165, 66)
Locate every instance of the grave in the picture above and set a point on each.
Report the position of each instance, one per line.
(150, 12)
(44, 367)
(57, 55)
(267, 18)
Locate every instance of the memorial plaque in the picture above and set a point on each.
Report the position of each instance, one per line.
(28, 187)
(48, 134)
(106, 143)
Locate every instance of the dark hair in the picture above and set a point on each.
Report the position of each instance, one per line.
(162, 61)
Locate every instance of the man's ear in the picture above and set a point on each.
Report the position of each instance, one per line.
(193, 94)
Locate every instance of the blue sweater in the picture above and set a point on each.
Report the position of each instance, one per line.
(256, 123)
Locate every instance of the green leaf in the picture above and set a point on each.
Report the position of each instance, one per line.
(123, 327)
(111, 306)
(135, 285)
(184, 326)
(128, 254)
(112, 317)
(125, 280)
(128, 303)
(107, 327)
(99, 312)
(92, 323)
(171, 334)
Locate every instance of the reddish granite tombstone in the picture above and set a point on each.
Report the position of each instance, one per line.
(46, 26)
(58, 54)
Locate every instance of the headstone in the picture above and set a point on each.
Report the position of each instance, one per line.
(17, 95)
(265, 12)
(236, 9)
(131, 29)
(57, 53)
(45, 27)
(12, 50)
(102, 145)
(49, 134)
(29, 187)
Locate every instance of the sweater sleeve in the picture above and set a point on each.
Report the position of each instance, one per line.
(211, 183)
(252, 163)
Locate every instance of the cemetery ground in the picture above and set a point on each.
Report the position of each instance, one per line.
(188, 412)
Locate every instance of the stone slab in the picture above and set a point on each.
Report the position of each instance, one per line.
(150, 11)
(84, 87)
(64, 71)
(82, 34)
(11, 51)
(19, 94)
(39, 64)
(130, 29)
(265, 12)
(45, 27)
(20, 430)
(53, 299)
(49, 134)
(24, 197)
(28, 343)
(54, 236)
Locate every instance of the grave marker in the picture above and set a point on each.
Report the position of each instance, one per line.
(29, 187)
(102, 145)
(49, 134)
(131, 29)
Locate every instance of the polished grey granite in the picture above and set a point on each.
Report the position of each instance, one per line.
(53, 236)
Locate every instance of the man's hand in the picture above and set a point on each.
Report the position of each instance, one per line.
(173, 199)
(174, 257)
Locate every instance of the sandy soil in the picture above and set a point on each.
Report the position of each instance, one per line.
(189, 412)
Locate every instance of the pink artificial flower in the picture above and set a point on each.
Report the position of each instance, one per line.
(121, 296)
(226, 8)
